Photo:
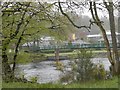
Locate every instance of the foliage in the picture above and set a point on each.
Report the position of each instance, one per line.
(33, 79)
(67, 78)
(37, 57)
(22, 58)
(99, 72)
(59, 65)
(22, 75)
(73, 55)
(26, 21)
(83, 67)
(26, 57)
(85, 70)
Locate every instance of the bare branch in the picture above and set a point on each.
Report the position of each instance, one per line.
(97, 22)
(87, 27)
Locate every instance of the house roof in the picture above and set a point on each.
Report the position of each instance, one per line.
(100, 35)
(109, 33)
(95, 35)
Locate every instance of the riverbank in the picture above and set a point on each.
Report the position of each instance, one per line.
(28, 57)
(111, 83)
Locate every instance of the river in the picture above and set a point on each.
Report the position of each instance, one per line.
(46, 72)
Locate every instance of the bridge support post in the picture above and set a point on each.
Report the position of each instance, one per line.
(57, 54)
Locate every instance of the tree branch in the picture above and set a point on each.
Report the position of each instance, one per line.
(97, 20)
(31, 34)
(87, 27)
(19, 24)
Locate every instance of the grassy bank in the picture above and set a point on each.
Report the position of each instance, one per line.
(27, 57)
(113, 83)
(72, 53)
(96, 84)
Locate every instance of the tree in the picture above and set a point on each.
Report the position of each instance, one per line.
(22, 20)
(16, 19)
(113, 57)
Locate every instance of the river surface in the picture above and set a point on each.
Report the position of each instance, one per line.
(46, 72)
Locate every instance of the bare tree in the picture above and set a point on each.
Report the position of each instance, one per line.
(111, 53)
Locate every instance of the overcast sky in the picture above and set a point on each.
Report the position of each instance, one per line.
(86, 11)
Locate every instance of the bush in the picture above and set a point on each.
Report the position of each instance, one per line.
(67, 77)
(22, 57)
(83, 67)
(99, 72)
(34, 79)
(59, 65)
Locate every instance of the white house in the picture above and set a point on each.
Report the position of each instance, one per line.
(98, 38)
(43, 41)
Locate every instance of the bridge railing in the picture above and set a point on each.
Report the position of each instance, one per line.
(49, 47)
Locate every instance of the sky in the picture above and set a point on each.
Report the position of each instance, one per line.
(101, 13)
(86, 11)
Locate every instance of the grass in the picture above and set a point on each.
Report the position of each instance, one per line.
(30, 85)
(73, 52)
(96, 84)
(113, 83)
(26, 57)
(61, 54)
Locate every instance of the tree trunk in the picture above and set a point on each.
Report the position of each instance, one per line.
(16, 53)
(6, 69)
(57, 54)
(99, 24)
(118, 62)
(113, 35)
(109, 54)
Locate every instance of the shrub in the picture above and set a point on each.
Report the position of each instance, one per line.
(22, 57)
(83, 66)
(33, 79)
(99, 72)
(22, 75)
(59, 65)
(67, 77)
